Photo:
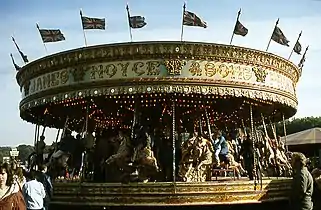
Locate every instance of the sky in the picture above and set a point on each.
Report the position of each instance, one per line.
(164, 18)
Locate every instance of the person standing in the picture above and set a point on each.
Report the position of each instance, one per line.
(316, 174)
(41, 145)
(43, 178)
(302, 184)
(10, 194)
(33, 192)
(247, 153)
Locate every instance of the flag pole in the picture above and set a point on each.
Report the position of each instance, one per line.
(14, 63)
(182, 32)
(44, 45)
(303, 57)
(237, 19)
(276, 24)
(83, 30)
(20, 52)
(129, 25)
(295, 45)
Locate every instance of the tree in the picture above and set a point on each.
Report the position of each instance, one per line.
(24, 151)
(296, 125)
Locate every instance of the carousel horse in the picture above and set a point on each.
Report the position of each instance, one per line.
(143, 156)
(106, 145)
(117, 167)
(196, 161)
(67, 156)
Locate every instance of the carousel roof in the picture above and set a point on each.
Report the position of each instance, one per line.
(310, 136)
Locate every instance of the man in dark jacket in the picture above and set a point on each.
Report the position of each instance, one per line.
(302, 184)
(247, 153)
(46, 181)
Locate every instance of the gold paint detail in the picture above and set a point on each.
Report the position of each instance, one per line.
(158, 50)
(166, 194)
(262, 95)
(79, 73)
(174, 66)
(260, 74)
(211, 73)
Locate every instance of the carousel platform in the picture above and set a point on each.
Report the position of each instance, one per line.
(222, 192)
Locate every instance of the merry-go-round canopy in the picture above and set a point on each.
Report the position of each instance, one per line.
(309, 136)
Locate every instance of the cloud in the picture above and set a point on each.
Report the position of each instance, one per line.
(15, 131)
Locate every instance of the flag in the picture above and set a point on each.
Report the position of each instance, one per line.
(14, 63)
(297, 48)
(191, 19)
(92, 23)
(23, 56)
(301, 64)
(279, 37)
(51, 35)
(240, 29)
(137, 21)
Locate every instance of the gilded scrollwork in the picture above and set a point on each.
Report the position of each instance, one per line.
(260, 74)
(78, 73)
(164, 194)
(166, 50)
(27, 88)
(174, 66)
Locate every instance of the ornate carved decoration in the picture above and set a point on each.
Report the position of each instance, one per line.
(174, 66)
(27, 88)
(163, 50)
(161, 194)
(78, 73)
(260, 74)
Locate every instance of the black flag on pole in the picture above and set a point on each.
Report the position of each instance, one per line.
(279, 37)
(14, 63)
(240, 29)
(297, 48)
(23, 56)
(302, 61)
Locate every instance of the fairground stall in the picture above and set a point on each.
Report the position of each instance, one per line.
(149, 115)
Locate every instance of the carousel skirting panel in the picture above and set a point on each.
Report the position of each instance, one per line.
(170, 194)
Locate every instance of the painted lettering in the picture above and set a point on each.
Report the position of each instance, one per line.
(210, 69)
(111, 70)
(153, 68)
(124, 68)
(137, 68)
(223, 70)
(195, 69)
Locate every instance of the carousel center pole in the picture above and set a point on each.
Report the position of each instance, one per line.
(285, 136)
(82, 167)
(253, 142)
(208, 124)
(174, 144)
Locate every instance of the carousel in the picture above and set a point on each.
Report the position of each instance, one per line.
(163, 123)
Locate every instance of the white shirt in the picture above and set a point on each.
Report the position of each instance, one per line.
(34, 193)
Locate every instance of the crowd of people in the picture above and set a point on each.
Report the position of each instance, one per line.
(24, 190)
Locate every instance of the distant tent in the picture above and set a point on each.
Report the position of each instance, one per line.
(310, 136)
